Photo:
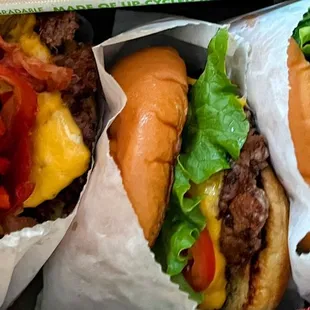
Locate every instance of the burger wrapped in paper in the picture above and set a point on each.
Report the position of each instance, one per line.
(278, 79)
(198, 175)
(48, 123)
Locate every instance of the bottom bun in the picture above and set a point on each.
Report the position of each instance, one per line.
(261, 286)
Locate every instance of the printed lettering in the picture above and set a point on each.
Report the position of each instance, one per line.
(103, 5)
(82, 7)
(60, 8)
(127, 3)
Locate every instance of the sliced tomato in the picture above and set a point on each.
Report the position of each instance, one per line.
(200, 272)
(55, 77)
(18, 176)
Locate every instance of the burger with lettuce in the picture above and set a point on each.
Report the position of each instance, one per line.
(198, 175)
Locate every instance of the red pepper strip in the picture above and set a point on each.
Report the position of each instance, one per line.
(4, 97)
(4, 199)
(2, 127)
(7, 47)
(4, 165)
(55, 77)
(201, 272)
(18, 114)
(18, 176)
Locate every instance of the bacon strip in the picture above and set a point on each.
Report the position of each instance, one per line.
(34, 70)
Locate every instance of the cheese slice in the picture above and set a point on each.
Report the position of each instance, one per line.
(59, 153)
(191, 81)
(30, 43)
(23, 24)
(32, 46)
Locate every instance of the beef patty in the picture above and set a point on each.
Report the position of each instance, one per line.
(243, 204)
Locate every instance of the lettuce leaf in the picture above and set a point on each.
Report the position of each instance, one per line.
(301, 34)
(215, 131)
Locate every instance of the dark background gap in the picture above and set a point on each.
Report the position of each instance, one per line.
(213, 11)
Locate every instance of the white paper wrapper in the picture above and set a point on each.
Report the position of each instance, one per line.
(23, 253)
(104, 261)
(268, 92)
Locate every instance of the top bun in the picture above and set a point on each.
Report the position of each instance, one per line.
(145, 136)
(299, 106)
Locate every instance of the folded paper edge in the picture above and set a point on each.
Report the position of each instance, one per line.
(161, 25)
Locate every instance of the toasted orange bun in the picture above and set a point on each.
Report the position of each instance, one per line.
(299, 106)
(145, 137)
(262, 284)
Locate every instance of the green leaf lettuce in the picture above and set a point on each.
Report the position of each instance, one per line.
(215, 131)
(301, 34)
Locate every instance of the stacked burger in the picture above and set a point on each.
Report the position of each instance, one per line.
(198, 175)
(48, 83)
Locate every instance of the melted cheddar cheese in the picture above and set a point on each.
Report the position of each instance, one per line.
(191, 81)
(59, 153)
(30, 43)
(242, 101)
(215, 294)
(33, 47)
(24, 24)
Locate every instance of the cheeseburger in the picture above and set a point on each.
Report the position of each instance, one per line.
(48, 81)
(198, 176)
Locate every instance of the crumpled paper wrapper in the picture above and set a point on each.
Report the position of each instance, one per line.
(104, 262)
(23, 253)
(268, 91)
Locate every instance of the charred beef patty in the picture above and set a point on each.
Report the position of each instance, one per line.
(243, 203)
(57, 31)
